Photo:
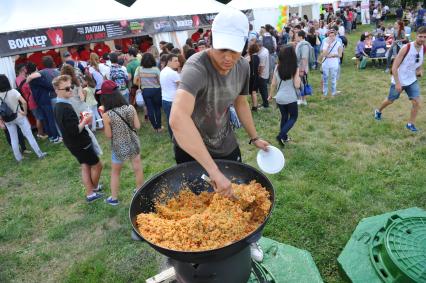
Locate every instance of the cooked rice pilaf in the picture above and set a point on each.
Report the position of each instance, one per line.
(190, 222)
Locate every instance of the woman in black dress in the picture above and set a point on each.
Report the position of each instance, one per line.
(254, 73)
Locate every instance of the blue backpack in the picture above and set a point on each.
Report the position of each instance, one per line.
(119, 77)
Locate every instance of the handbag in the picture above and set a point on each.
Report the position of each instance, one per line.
(307, 90)
(96, 147)
(139, 98)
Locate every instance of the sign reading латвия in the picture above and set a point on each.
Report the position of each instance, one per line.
(18, 42)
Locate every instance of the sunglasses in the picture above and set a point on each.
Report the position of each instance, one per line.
(67, 88)
(417, 58)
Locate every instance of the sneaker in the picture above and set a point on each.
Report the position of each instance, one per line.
(304, 102)
(93, 198)
(111, 201)
(26, 151)
(288, 139)
(256, 252)
(387, 70)
(411, 127)
(43, 137)
(254, 108)
(378, 114)
(280, 141)
(299, 102)
(98, 188)
(56, 140)
(42, 155)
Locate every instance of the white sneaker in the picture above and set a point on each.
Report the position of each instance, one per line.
(42, 155)
(256, 252)
(305, 102)
(299, 102)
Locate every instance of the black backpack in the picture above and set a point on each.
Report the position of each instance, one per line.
(6, 113)
(268, 43)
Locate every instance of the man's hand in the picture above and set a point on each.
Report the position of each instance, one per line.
(398, 87)
(222, 185)
(261, 144)
(87, 118)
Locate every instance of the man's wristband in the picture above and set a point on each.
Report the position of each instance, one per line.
(253, 140)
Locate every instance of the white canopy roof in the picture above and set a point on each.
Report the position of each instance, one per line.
(259, 4)
(18, 15)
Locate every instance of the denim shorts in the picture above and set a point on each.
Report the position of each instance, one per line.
(115, 159)
(412, 90)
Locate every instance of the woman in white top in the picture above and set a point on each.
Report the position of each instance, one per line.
(285, 81)
(12, 98)
(322, 31)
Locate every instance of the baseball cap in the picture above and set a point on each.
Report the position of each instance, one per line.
(66, 54)
(108, 87)
(230, 29)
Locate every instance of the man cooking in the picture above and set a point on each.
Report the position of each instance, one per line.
(212, 81)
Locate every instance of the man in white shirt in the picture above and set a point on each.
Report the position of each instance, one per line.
(169, 81)
(263, 55)
(407, 69)
(331, 52)
(385, 11)
(341, 28)
(105, 68)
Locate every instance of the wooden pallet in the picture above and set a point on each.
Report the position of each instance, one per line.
(167, 276)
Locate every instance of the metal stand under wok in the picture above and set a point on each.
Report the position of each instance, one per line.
(234, 269)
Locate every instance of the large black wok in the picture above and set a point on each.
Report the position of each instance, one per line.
(190, 174)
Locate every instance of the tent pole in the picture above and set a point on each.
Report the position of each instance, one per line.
(7, 67)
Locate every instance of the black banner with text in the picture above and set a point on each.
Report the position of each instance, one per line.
(12, 43)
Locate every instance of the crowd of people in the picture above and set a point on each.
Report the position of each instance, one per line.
(48, 87)
(279, 64)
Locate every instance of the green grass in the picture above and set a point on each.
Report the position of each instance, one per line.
(342, 166)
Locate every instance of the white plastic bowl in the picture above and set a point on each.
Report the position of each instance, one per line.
(271, 161)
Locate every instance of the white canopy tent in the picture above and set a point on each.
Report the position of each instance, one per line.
(267, 11)
(22, 15)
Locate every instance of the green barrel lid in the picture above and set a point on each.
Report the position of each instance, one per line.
(398, 250)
